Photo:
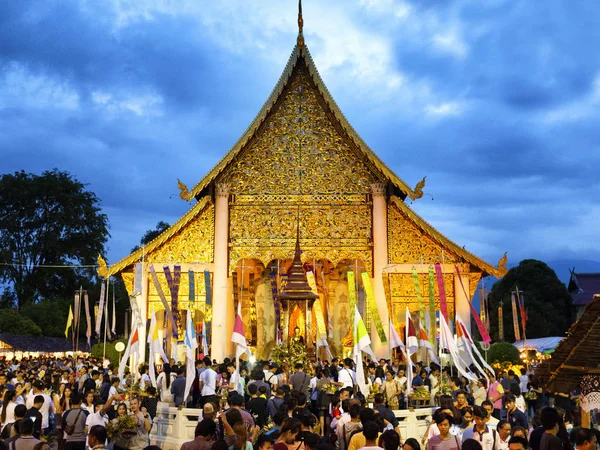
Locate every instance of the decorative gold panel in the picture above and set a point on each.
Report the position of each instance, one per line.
(408, 244)
(193, 243)
(128, 281)
(298, 150)
(327, 232)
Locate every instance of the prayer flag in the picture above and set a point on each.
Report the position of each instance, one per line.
(447, 342)
(412, 343)
(191, 344)
(362, 342)
(131, 350)
(482, 330)
(88, 331)
(424, 342)
(204, 340)
(515, 317)
(69, 322)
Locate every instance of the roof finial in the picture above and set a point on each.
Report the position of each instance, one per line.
(300, 25)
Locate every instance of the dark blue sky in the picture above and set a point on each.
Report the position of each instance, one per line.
(497, 102)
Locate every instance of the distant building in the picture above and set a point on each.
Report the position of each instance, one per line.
(17, 346)
(582, 287)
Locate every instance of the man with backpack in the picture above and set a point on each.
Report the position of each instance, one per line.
(73, 424)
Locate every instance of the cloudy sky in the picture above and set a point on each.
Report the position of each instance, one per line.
(497, 102)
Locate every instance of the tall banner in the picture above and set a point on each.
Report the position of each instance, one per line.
(329, 312)
(373, 306)
(88, 332)
(484, 334)
(208, 305)
(100, 308)
(515, 317)
(235, 284)
(523, 312)
(173, 281)
(500, 324)
(253, 314)
(482, 308)
(113, 328)
(137, 279)
(432, 328)
(276, 303)
(191, 291)
(162, 297)
(322, 335)
(419, 298)
(351, 294)
(76, 310)
(442, 290)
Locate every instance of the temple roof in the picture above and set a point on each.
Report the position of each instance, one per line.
(469, 257)
(299, 53)
(583, 286)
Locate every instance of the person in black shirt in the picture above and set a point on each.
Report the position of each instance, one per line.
(515, 417)
(150, 402)
(257, 405)
(34, 414)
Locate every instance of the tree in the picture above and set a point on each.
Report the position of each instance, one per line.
(547, 302)
(13, 322)
(48, 219)
(503, 352)
(150, 235)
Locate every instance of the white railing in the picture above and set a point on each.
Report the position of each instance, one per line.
(173, 426)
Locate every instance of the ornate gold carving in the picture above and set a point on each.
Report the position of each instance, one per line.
(326, 232)
(102, 267)
(378, 189)
(409, 244)
(502, 264)
(419, 189)
(303, 199)
(184, 194)
(222, 189)
(299, 136)
(127, 278)
(474, 278)
(193, 243)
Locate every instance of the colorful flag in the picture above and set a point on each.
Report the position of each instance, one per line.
(431, 315)
(373, 307)
(523, 311)
(113, 328)
(69, 322)
(204, 340)
(395, 340)
(424, 342)
(191, 344)
(412, 343)
(151, 331)
(447, 342)
(100, 309)
(163, 299)
(482, 330)
(362, 343)
(515, 317)
(239, 335)
(131, 350)
(88, 317)
(442, 290)
(465, 342)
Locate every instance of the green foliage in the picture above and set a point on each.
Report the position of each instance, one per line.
(547, 301)
(50, 316)
(501, 352)
(48, 219)
(13, 322)
(98, 351)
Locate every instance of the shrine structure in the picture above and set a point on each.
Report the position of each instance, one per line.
(299, 166)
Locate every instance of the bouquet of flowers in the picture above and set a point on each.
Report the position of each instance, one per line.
(530, 395)
(420, 393)
(125, 426)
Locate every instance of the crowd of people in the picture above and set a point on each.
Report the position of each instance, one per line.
(81, 403)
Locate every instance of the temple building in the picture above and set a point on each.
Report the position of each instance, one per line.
(299, 170)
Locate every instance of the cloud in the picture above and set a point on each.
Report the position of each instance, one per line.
(496, 102)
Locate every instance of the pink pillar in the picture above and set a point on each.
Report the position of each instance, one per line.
(380, 261)
(221, 307)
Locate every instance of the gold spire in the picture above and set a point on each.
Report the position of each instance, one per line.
(300, 40)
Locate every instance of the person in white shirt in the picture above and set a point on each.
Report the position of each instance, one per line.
(47, 407)
(492, 422)
(347, 375)
(503, 434)
(208, 382)
(98, 417)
